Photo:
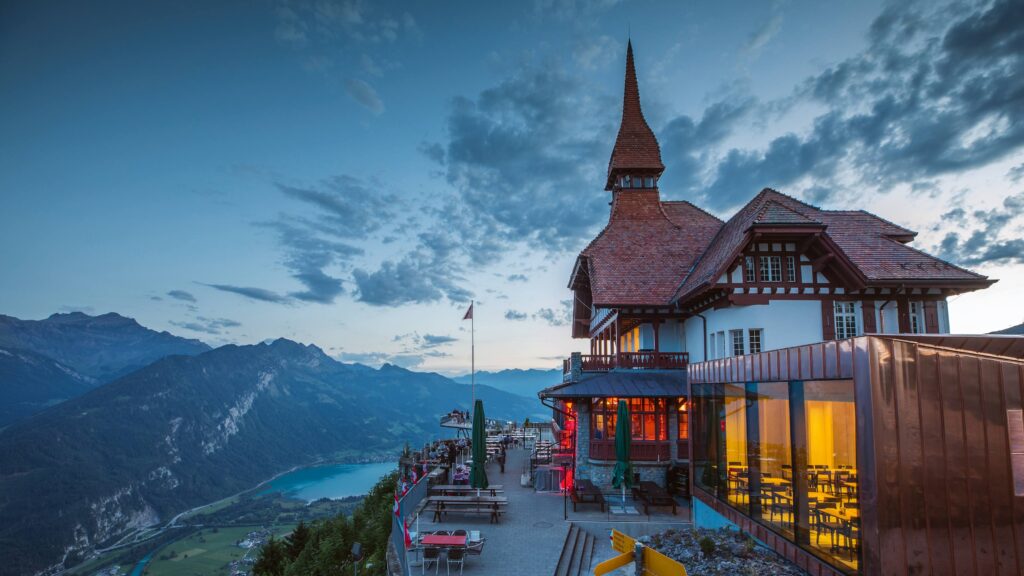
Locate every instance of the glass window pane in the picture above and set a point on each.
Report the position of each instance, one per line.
(832, 470)
(775, 454)
(735, 417)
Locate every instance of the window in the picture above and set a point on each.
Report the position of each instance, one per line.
(915, 320)
(755, 340)
(649, 182)
(771, 268)
(846, 320)
(625, 181)
(737, 342)
(711, 347)
(721, 345)
(684, 420)
(790, 269)
(648, 418)
(748, 265)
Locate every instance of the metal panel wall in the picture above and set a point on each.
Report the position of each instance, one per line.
(941, 498)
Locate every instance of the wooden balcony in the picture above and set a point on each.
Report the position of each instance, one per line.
(630, 361)
(640, 450)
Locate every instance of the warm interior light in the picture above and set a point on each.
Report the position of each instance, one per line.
(682, 405)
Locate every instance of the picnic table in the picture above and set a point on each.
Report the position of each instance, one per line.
(653, 495)
(469, 504)
(584, 492)
(462, 489)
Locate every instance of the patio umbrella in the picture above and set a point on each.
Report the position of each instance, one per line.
(623, 475)
(477, 475)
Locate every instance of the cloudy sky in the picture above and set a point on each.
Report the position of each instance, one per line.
(352, 173)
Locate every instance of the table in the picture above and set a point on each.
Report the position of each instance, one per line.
(775, 481)
(443, 540)
(464, 489)
(585, 492)
(478, 504)
(845, 515)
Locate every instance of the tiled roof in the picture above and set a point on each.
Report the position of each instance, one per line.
(646, 248)
(629, 383)
(866, 240)
(636, 148)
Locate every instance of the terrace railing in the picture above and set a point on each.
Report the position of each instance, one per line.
(630, 361)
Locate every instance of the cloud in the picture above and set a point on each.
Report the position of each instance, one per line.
(762, 36)
(417, 278)
(930, 95)
(213, 326)
(433, 151)
(560, 317)
(594, 52)
(182, 295)
(346, 206)
(986, 244)
(364, 94)
(252, 293)
(515, 315)
(517, 278)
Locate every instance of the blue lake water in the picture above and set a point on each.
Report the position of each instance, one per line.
(330, 481)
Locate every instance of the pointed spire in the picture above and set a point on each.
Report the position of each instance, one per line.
(636, 149)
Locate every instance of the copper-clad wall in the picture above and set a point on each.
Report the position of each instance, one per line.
(937, 492)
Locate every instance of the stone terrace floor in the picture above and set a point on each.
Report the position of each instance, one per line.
(529, 538)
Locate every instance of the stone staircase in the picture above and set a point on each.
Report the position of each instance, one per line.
(577, 553)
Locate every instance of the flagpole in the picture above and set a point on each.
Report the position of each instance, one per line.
(472, 355)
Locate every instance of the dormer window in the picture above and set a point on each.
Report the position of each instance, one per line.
(649, 182)
(625, 182)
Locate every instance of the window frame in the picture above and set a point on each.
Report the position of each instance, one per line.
(845, 320)
(760, 340)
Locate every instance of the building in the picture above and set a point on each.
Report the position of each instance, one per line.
(685, 315)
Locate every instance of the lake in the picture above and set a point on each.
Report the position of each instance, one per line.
(328, 481)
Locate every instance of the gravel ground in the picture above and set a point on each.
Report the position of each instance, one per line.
(731, 553)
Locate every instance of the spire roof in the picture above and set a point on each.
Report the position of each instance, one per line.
(636, 148)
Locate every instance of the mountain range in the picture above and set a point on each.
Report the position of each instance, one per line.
(524, 383)
(190, 429)
(44, 362)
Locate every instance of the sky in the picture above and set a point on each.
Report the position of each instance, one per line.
(352, 174)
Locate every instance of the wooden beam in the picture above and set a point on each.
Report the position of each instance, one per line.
(819, 263)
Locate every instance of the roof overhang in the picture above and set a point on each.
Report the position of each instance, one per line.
(622, 383)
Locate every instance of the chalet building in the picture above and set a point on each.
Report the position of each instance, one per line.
(764, 354)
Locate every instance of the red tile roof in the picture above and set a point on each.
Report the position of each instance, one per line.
(868, 242)
(646, 248)
(636, 148)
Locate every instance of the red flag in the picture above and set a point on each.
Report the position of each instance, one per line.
(408, 540)
(397, 506)
(469, 313)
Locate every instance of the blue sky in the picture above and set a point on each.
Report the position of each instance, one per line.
(352, 173)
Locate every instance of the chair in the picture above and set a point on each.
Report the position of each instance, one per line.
(431, 554)
(825, 524)
(851, 531)
(456, 556)
(460, 533)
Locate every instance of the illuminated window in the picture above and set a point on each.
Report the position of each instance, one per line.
(737, 342)
(648, 418)
(771, 268)
(790, 269)
(755, 340)
(684, 420)
(846, 320)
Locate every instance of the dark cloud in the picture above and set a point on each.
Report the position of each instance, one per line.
(556, 317)
(515, 315)
(419, 277)
(347, 206)
(937, 91)
(1016, 173)
(251, 292)
(986, 243)
(517, 278)
(182, 295)
(364, 94)
(433, 151)
(213, 326)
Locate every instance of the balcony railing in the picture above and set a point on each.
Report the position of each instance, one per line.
(630, 361)
(640, 451)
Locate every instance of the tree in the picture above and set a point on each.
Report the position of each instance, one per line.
(272, 560)
(296, 541)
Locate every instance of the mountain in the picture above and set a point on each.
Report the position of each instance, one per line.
(30, 382)
(49, 361)
(187, 430)
(522, 382)
(102, 347)
(1018, 329)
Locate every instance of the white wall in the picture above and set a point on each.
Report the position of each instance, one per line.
(784, 323)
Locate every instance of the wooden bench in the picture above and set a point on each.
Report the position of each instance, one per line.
(653, 495)
(584, 492)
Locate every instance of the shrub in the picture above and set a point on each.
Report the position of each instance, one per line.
(707, 546)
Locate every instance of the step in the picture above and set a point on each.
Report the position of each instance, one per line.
(588, 554)
(565, 559)
(576, 560)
